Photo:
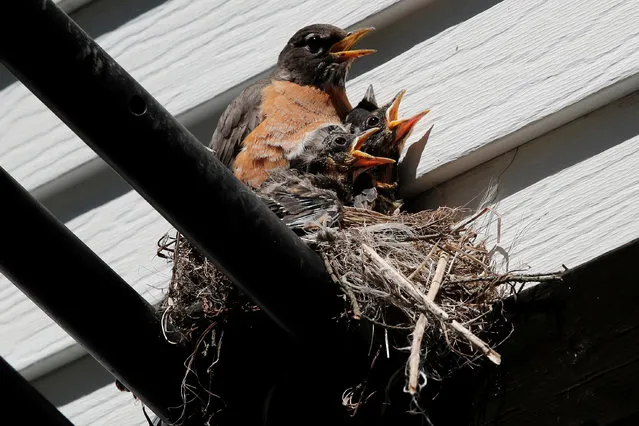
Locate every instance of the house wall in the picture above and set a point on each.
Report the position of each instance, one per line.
(535, 100)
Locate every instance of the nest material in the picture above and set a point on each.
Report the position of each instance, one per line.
(198, 291)
(423, 280)
(426, 252)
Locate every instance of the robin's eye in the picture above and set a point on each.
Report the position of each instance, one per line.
(340, 141)
(372, 121)
(314, 44)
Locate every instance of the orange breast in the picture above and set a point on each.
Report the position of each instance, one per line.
(289, 113)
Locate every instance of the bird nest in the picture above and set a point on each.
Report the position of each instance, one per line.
(424, 282)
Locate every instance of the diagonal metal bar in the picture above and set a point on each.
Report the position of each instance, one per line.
(92, 303)
(134, 134)
(20, 400)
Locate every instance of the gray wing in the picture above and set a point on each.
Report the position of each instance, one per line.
(299, 204)
(239, 119)
(303, 214)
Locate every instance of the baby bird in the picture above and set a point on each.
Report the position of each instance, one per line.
(313, 191)
(377, 188)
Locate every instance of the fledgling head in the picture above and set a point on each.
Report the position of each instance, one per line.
(367, 114)
(341, 157)
(389, 141)
(319, 55)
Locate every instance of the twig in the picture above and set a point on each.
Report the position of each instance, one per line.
(343, 284)
(176, 253)
(386, 343)
(519, 278)
(329, 268)
(413, 360)
(466, 256)
(439, 276)
(357, 313)
(398, 279)
(478, 214)
(426, 259)
(420, 326)
(422, 237)
(475, 249)
(384, 325)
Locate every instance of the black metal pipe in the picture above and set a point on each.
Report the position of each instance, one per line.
(22, 402)
(167, 165)
(92, 303)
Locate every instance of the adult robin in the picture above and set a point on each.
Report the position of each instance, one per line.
(377, 188)
(270, 122)
(317, 188)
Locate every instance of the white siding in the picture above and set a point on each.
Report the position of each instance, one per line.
(565, 197)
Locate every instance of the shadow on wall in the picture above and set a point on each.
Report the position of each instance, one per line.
(414, 27)
(100, 185)
(80, 378)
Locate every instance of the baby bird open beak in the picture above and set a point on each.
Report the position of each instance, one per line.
(362, 159)
(393, 109)
(401, 127)
(365, 161)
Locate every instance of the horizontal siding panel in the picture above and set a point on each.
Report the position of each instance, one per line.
(184, 52)
(124, 233)
(489, 79)
(564, 198)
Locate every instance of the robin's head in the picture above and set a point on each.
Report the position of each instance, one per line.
(389, 141)
(320, 55)
(342, 158)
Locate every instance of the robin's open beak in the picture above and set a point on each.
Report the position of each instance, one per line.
(341, 50)
(404, 126)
